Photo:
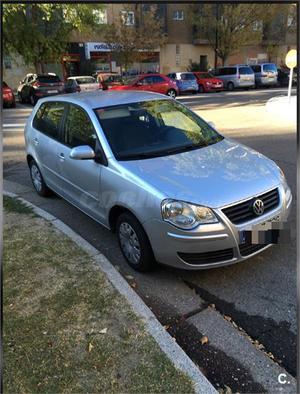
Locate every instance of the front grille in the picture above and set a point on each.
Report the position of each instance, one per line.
(243, 212)
(247, 249)
(208, 257)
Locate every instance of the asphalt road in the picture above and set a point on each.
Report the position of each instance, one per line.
(258, 296)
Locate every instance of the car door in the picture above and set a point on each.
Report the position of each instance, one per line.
(145, 83)
(80, 178)
(46, 139)
(160, 85)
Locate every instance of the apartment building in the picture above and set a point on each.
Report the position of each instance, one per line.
(87, 54)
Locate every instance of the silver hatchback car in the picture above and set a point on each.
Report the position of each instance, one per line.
(146, 167)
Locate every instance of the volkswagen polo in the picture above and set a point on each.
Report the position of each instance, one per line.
(143, 165)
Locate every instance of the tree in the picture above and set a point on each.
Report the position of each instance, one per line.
(279, 23)
(130, 42)
(228, 27)
(40, 33)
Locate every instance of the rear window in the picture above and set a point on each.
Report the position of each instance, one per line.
(245, 70)
(82, 81)
(48, 118)
(270, 68)
(187, 77)
(48, 78)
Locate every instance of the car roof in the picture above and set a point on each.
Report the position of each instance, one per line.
(81, 76)
(103, 99)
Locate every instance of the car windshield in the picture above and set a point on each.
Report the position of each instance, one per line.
(83, 80)
(154, 128)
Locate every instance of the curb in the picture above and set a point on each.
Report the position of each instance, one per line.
(166, 343)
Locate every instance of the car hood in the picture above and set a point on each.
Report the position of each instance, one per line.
(214, 176)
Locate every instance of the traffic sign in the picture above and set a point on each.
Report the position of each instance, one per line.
(291, 58)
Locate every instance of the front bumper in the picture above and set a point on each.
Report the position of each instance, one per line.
(211, 245)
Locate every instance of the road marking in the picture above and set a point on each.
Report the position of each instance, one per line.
(13, 125)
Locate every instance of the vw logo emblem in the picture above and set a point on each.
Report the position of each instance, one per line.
(258, 207)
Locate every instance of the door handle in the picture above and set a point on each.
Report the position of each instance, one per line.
(35, 141)
(61, 157)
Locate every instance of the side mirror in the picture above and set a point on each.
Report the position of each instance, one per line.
(83, 152)
(211, 124)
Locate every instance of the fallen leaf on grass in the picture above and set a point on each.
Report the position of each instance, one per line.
(204, 340)
(133, 284)
(103, 331)
(228, 318)
(166, 327)
(129, 277)
(90, 347)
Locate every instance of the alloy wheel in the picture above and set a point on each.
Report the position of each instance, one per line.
(129, 243)
(36, 177)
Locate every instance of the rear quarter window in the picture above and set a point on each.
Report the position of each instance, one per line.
(48, 119)
(188, 77)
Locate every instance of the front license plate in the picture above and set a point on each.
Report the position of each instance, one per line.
(52, 91)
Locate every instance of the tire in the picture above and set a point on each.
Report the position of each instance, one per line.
(134, 243)
(230, 86)
(32, 99)
(38, 181)
(201, 89)
(172, 93)
(21, 100)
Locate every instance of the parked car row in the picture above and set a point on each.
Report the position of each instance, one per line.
(243, 76)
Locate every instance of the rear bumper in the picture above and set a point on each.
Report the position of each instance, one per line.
(208, 246)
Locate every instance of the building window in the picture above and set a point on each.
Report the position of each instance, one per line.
(291, 21)
(178, 15)
(100, 16)
(7, 62)
(257, 26)
(128, 17)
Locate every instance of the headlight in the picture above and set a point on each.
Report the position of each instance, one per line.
(286, 188)
(186, 216)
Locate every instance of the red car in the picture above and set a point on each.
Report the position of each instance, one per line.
(208, 83)
(157, 83)
(8, 96)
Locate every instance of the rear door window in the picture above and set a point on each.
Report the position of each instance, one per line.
(231, 70)
(48, 119)
(158, 79)
(78, 128)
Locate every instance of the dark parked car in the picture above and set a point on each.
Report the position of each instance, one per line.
(284, 77)
(36, 86)
(8, 96)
